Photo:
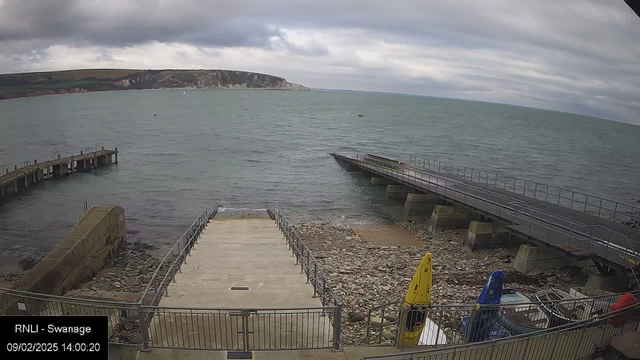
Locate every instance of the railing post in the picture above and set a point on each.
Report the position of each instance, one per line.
(245, 330)
(599, 207)
(337, 327)
(315, 279)
(546, 195)
(308, 266)
(144, 330)
(301, 256)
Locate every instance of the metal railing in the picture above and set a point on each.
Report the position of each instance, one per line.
(29, 166)
(574, 200)
(172, 262)
(147, 325)
(123, 318)
(520, 317)
(571, 341)
(575, 238)
(309, 266)
(241, 329)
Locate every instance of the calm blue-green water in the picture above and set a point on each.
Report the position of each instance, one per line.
(251, 147)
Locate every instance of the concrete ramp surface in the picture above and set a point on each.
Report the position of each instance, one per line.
(237, 266)
(240, 253)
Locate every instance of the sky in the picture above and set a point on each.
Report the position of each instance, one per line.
(578, 56)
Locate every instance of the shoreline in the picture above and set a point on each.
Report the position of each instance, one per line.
(164, 88)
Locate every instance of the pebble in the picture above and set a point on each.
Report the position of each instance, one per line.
(365, 275)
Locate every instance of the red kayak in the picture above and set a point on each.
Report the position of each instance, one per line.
(625, 300)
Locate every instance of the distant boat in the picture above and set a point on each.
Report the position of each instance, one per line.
(521, 319)
(184, 93)
(559, 313)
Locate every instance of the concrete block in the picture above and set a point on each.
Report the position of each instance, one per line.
(531, 257)
(420, 204)
(482, 235)
(446, 218)
(607, 283)
(398, 192)
(448, 210)
(381, 181)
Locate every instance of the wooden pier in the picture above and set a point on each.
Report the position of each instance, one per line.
(20, 179)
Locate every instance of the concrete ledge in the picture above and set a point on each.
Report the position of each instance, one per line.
(381, 181)
(398, 192)
(242, 213)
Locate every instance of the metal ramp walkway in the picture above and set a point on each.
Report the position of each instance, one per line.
(527, 210)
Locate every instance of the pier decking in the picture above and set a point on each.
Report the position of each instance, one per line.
(20, 179)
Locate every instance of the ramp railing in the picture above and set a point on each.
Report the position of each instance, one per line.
(313, 271)
(172, 262)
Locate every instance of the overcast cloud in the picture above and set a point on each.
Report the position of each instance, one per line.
(569, 55)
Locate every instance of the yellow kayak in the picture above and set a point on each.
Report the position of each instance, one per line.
(418, 296)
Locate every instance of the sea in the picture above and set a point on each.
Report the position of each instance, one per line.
(246, 148)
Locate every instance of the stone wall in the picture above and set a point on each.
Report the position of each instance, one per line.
(78, 256)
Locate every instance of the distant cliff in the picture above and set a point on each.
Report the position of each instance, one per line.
(61, 82)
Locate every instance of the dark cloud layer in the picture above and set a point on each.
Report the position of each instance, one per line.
(576, 55)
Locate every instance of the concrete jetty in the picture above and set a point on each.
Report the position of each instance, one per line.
(20, 179)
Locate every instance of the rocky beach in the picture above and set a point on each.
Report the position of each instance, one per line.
(365, 275)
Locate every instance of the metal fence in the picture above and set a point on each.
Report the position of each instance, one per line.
(567, 342)
(124, 318)
(574, 200)
(172, 262)
(150, 326)
(241, 329)
(308, 264)
(455, 324)
(574, 238)
(315, 275)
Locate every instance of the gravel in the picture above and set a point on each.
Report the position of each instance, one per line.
(365, 275)
(129, 270)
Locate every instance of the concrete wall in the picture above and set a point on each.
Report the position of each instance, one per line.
(446, 218)
(483, 235)
(79, 255)
(421, 204)
(398, 192)
(531, 257)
